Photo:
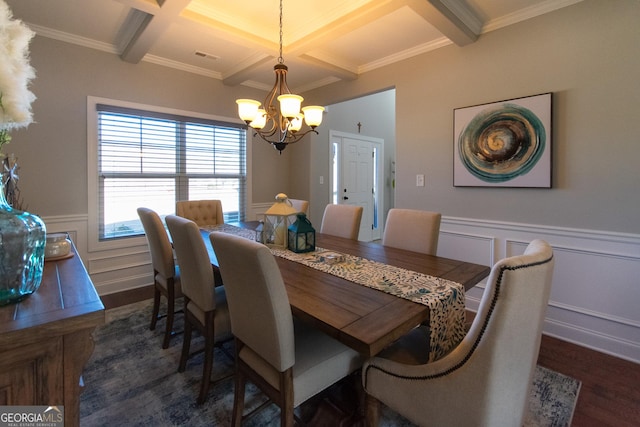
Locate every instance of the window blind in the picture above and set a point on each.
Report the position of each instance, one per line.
(153, 159)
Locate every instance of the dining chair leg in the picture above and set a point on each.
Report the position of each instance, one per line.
(238, 394)
(372, 411)
(186, 343)
(209, 344)
(171, 303)
(238, 399)
(286, 398)
(156, 306)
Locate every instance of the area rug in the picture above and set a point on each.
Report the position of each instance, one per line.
(131, 381)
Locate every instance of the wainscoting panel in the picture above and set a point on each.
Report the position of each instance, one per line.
(75, 226)
(111, 271)
(479, 249)
(257, 209)
(596, 282)
(114, 272)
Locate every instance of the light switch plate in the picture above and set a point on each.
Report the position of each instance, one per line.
(420, 180)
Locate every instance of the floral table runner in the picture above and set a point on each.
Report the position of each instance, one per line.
(444, 298)
(232, 229)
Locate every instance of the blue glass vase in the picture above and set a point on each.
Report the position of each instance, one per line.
(22, 241)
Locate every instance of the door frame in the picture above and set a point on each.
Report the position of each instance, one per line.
(336, 137)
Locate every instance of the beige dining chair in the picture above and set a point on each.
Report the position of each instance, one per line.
(287, 359)
(166, 275)
(202, 212)
(412, 230)
(300, 205)
(205, 304)
(342, 221)
(485, 380)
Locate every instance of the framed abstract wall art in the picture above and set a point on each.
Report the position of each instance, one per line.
(503, 144)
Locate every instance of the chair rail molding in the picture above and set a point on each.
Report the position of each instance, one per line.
(595, 287)
(593, 299)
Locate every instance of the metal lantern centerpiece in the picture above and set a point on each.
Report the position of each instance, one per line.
(276, 222)
(302, 235)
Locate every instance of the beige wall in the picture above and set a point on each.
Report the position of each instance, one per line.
(588, 55)
(53, 151)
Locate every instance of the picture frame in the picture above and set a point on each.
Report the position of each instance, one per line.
(504, 143)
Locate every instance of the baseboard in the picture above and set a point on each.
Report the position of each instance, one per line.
(130, 296)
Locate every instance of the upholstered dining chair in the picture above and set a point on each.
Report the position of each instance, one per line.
(205, 304)
(485, 380)
(288, 360)
(412, 230)
(342, 221)
(300, 205)
(202, 212)
(166, 275)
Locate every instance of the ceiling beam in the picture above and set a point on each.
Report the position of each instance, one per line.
(328, 64)
(308, 48)
(243, 70)
(357, 18)
(457, 22)
(145, 28)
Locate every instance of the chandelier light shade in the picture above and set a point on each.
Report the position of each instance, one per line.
(278, 120)
(248, 109)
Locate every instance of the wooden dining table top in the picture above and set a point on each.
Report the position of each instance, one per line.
(363, 318)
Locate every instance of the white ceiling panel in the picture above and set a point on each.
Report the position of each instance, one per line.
(395, 32)
(324, 40)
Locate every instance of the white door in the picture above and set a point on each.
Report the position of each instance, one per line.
(356, 163)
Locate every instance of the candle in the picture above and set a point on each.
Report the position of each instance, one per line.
(279, 238)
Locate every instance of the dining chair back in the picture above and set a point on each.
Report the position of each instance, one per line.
(300, 205)
(342, 221)
(412, 230)
(202, 212)
(288, 360)
(205, 304)
(485, 380)
(166, 275)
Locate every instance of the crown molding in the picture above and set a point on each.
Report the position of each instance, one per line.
(73, 39)
(528, 13)
(405, 54)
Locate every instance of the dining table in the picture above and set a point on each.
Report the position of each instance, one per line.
(364, 318)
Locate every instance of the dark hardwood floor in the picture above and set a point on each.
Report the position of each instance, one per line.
(610, 392)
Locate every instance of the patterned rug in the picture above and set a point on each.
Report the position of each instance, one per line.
(131, 381)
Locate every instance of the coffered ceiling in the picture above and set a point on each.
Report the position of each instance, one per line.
(236, 41)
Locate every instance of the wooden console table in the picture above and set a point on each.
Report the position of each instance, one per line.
(46, 339)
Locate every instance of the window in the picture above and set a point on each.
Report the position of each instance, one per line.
(153, 159)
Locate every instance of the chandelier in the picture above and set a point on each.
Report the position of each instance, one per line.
(279, 123)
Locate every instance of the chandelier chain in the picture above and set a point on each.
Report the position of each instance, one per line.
(279, 121)
(280, 59)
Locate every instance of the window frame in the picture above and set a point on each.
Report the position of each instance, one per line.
(93, 182)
